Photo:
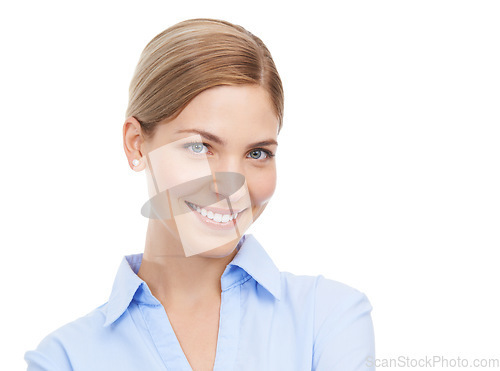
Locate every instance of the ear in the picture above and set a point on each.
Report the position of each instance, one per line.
(133, 142)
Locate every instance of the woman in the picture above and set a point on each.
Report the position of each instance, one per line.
(205, 110)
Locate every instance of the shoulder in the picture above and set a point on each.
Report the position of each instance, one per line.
(55, 350)
(328, 294)
(88, 325)
(342, 321)
(331, 294)
(328, 299)
(338, 304)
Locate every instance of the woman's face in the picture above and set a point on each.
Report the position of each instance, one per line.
(215, 158)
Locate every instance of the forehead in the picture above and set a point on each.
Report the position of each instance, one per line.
(237, 113)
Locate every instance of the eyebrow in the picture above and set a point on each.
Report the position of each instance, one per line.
(218, 140)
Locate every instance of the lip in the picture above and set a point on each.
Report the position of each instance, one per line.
(230, 224)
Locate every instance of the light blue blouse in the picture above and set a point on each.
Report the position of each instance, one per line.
(269, 320)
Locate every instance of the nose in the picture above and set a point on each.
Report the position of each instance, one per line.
(228, 180)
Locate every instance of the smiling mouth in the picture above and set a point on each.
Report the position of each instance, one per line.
(216, 215)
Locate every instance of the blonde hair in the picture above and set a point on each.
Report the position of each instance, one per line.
(195, 55)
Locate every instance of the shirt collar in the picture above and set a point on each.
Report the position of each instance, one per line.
(255, 261)
(251, 259)
(124, 287)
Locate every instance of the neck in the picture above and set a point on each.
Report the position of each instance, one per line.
(175, 280)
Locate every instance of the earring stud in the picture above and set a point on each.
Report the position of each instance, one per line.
(135, 162)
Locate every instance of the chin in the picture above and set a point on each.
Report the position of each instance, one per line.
(221, 251)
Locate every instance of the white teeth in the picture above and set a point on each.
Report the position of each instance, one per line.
(216, 217)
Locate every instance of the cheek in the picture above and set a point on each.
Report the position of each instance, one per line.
(261, 185)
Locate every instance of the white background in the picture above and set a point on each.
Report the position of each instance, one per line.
(388, 161)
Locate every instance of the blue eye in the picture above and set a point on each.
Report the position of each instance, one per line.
(196, 147)
(256, 154)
